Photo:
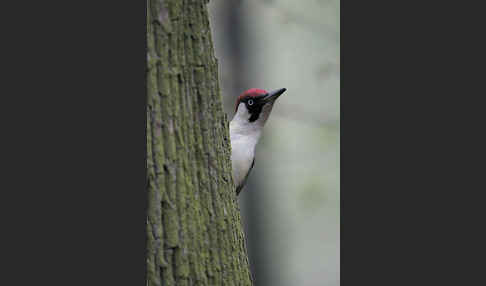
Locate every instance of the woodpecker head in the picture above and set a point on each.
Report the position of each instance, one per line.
(253, 107)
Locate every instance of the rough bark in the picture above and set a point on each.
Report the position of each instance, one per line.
(194, 234)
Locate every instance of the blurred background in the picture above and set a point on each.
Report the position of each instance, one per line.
(291, 204)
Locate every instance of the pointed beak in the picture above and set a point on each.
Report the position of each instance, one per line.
(273, 95)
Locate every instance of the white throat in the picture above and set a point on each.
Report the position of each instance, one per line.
(241, 128)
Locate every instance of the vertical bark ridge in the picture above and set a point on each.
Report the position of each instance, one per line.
(194, 234)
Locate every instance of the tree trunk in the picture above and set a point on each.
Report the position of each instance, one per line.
(194, 234)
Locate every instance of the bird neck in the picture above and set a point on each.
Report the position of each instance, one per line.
(243, 131)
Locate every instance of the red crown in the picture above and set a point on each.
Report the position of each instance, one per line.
(252, 92)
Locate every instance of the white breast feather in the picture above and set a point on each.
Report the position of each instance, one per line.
(241, 158)
(244, 137)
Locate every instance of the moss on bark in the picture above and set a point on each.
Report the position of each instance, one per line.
(194, 234)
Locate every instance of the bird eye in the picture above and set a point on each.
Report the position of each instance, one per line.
(250, 102)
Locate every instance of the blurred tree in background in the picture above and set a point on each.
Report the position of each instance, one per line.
(194, 234)
(291, 204)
